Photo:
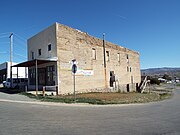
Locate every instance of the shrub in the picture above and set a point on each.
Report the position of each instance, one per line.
(154, 81)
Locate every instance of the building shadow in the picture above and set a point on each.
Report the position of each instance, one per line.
(9, 91)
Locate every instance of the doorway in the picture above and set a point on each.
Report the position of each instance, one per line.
(127, 87)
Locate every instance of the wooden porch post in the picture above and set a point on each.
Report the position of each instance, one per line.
(36, 78)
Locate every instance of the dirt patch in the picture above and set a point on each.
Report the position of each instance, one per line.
(157, 94)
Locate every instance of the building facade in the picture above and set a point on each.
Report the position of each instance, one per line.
(61, 44)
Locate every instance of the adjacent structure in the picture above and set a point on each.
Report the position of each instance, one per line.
(50, 55)
(16, 73)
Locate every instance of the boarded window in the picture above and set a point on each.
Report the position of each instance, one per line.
(107, 55)
(93, 54)
(118, 57)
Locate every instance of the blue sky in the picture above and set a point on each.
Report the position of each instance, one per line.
(151, 27)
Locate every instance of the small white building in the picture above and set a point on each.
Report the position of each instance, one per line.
(5, 71)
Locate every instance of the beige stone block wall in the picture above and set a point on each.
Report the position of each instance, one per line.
(74, 44)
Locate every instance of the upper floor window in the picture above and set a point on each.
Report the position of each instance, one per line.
(127, 56)
(132, 79)
(49, 47)
(118, 57)
(32, 55)
(127, 69)
(107, 55)
(93, 54)
(39, 52)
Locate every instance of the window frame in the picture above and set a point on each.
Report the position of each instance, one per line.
(39, 52)
(118, 57)
(107, 56)
(94, 56)
(49, 47)
(32, 55)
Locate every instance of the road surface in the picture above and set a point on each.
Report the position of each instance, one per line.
(29, 117)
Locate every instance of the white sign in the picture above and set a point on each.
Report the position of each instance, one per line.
(85, 72)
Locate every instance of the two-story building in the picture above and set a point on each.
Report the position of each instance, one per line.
(50, 55)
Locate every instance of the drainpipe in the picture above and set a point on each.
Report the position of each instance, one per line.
(104, 55)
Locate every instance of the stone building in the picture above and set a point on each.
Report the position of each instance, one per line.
(54, 48)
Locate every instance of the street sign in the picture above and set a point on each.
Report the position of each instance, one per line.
(74, 68)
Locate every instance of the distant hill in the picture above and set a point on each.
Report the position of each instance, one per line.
(161, 71)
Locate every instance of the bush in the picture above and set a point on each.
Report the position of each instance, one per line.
(167, 77)
(154, 81)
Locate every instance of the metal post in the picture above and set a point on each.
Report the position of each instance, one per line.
(17, 77)
(74, 89)
(36, 79)
(11, 76)
(104, 54)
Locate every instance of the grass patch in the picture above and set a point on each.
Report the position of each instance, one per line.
(178, 84)
(104, 98)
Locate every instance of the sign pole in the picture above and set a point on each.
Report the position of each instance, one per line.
(74, 69)
(74, 89)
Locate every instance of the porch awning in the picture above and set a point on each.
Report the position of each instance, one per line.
(33, 63)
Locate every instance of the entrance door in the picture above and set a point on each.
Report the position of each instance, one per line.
(42, 76)
(127, 87)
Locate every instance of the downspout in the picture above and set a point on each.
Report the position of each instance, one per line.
(104, 55)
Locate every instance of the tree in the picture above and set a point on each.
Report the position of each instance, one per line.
(154, 81)
(167, 77)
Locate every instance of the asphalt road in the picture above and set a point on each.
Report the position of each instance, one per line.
(33, 118)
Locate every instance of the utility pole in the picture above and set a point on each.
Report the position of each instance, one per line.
(11, 47)
(104, 54)
(11, 52)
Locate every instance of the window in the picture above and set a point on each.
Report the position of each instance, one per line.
(32, 55)
(32, 76)
(39, 52)
(130, 69)
(127, 69)
(127, 58)
(132, 79)
(51, 75)
(107, 55)
(22, 79)
(93, 54)
(118, 57)
(49, 47)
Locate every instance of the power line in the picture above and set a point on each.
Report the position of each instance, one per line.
(20, 43)
(3, 52)
(20, 37)
(4, 42)
(20, 55)
(3, 36)
(5, 33)
(20, 47)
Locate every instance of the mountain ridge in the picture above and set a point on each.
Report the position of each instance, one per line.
(171, 71)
